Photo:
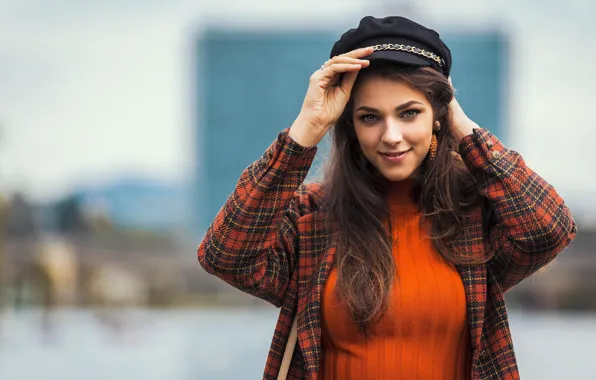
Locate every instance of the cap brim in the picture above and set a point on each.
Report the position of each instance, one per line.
(399, 57)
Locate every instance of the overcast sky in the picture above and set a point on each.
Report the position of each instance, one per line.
(102, 89)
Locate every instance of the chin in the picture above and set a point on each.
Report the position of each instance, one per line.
(397, 176)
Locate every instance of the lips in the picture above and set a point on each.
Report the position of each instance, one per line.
(395, 158)
(395, 154)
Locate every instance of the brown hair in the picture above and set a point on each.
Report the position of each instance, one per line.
(357, 205)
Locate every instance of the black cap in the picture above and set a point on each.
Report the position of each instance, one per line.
(397, 39)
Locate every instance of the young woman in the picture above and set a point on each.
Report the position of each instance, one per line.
(395, 266)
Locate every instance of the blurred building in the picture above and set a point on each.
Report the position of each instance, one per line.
(250, 85)
(127, 203)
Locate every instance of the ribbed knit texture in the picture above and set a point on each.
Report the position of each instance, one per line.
(424, 333)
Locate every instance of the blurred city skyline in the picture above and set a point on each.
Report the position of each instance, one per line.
(102, 91)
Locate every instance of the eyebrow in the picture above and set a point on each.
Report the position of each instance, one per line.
(398, 108)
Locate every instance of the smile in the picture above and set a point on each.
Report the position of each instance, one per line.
(395, 156)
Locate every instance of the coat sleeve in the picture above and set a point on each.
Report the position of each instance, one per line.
(251, 243)
(532, 224)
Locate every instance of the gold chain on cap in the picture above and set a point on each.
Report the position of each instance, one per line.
(410, 49)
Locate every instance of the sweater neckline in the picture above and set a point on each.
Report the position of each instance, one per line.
(401, 198)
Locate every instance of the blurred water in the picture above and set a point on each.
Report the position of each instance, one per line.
(231, 344)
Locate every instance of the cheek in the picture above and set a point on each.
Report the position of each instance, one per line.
(427, 140)
(421, 136)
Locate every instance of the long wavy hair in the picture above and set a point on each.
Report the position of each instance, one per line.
(357, 204)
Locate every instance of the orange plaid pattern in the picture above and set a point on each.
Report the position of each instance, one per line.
(271, 240)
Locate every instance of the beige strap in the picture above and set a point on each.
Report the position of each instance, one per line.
(287, 359)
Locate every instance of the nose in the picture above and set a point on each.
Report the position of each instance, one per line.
(392, 134)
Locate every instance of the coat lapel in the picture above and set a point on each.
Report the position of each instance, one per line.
(471, 242)
(316, 262)
(474, 280)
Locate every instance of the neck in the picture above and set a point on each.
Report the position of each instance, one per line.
(401, 196)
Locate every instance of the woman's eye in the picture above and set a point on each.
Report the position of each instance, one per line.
(368, 118)
(410, 114)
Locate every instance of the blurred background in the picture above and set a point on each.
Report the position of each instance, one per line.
(125, 124)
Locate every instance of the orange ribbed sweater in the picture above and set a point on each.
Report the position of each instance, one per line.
(424, 333)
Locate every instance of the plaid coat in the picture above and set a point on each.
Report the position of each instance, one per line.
(270, 240)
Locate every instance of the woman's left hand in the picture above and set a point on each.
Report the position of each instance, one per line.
(461, 124)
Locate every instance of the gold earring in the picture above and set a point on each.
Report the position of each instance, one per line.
(432, 152)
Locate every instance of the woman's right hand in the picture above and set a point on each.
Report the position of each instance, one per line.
(325, 100)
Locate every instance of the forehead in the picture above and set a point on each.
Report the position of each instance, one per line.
(385, 91)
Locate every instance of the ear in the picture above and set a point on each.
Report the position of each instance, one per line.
(437, 126)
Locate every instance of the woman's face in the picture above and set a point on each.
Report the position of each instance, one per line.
(394, 125)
